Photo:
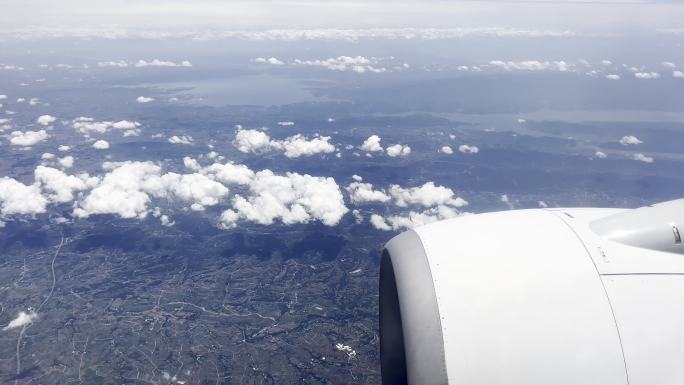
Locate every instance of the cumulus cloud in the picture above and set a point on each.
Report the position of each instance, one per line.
(46, 120)
(144, 99)
(87, 125)
(668, 64)
(182, 139)
(17, 198)
(22, 319)
(646, 75)
(66, 162)
(287, 123)
(290, 198)
(531, 65)
(101, 145)
(642, 158)
(446, 150)
(600, 154)
(466, 149)
(630, 140)
(360, 193)
(63, 148)
(372, 144)
(162, 63)
(195, 188)
(298, 145)
(357, 64)
(27, 138)
(427, 195)
(270, 60)
(113, 63)
(678, 74)
(613, 77)
(228, 173)
(398, 150)
(413, 218)
(255, 141)
(58, 186)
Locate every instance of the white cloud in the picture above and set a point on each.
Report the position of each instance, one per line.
(183, 139)
(87, 125)
(466, 149)
(46, 120)
(229, 173)
(101, 145)
(358, 217)
(127, 189)
(292, 198)
(630, 140)
(427, 195)
(678, 74)
(114, 63)
(18, 198)
(613, 77)
(413, 218)
(398, 150)
(286, 123)
(379, 223)
(360, 193)
(162, 63)
(63, 148)
(606, 62)
(144, 99)
(270, 60)
(357, 64)
(60, 187)
(446, 150)
(195, 188)
(298, 145)
(255, 141)
(531, 65)
(372, 144)
(668, 64)
(27, 138)
(66, 162)
(600, 154)
(642, 158)
(22, 319)
(3, 97)
(646, 75)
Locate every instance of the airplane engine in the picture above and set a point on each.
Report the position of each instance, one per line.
(536, 297)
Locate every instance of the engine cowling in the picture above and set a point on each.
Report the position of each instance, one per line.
(533, 297)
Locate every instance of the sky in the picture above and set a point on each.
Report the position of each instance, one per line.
(173, 16)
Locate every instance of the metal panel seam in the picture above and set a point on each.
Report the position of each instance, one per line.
(605, 291)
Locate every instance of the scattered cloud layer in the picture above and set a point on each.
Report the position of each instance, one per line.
(292, 34)
(144, 63)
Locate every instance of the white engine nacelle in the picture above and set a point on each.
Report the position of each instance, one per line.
(536, 297)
